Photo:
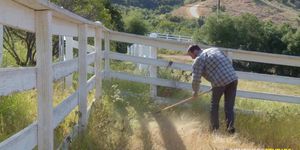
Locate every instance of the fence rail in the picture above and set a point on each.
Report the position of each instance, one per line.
(46, 19)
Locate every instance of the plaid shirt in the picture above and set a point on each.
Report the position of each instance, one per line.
(214, 66)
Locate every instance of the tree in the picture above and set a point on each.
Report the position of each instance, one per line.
(12, 37)
(219, 30)
(97, 10)
(135, 23)
(293, 42)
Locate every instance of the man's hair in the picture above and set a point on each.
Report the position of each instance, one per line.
(192, 48)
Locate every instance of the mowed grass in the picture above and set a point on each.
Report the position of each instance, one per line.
(121, 117)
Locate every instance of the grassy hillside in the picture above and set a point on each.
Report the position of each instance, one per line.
(263, 9)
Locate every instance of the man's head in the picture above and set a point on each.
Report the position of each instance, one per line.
(193, 51)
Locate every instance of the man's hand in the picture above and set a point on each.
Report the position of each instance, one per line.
(195, 95)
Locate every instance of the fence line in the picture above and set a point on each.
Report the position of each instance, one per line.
(188, 67)
(46, 19)
(1, 44)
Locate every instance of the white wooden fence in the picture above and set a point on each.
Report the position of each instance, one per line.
(171, 37)
(46, 19)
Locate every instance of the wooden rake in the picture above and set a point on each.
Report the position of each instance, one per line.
(181, 102)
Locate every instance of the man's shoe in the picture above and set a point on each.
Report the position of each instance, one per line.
(231, 130)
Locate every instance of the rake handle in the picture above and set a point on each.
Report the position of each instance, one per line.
(184, 101)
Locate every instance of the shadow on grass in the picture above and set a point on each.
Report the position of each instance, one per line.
(169, 133)
(144, 109)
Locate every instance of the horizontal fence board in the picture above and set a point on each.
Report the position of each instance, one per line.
(64, 108)
(182, 46)
(91, 58)
(65, 68)
(268, 58)
(25, 139)
(188, 86)
(154, 81)
(91, 48)
(64, 27)
(17, 16)
(188, 67)
(150, 61)
(269, 97)
(91, 83)
(268, 78)
(159, 43)
(22, 79)
(17, 80)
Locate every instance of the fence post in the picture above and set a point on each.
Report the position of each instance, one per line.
(44, 79)
(82, 48)
(69, 56)
(106, 55)
(153, 72)
(1, 44)
(98, 61)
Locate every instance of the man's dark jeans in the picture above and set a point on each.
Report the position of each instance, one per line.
(229, 92)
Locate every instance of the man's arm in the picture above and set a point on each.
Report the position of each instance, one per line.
(198, 68)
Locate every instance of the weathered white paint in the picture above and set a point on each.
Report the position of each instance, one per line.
(82, 76)
(11, 13)
(33, 4)
(1, 44)
(106, 52)
(188, 86)
(25, 139)
(69, 56)
(188, 67)
(264, 57)
(98, 60)
(44, 79)
(91, 83)
(17, 80)
(91, 58)
(65, 68)
(64, 27)
(90, 48)
(153, 72)
(268, 78)
(64, 108)
(154, 81)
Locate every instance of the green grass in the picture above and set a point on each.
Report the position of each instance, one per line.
(18, 110)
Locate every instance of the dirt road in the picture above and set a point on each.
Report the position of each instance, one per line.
(194, 11)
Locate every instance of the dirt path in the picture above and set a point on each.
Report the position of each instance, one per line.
(182, 133)
(194, 11)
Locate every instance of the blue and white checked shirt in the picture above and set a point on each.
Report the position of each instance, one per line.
(215, 67)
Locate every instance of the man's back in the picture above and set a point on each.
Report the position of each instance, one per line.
(215, 67)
